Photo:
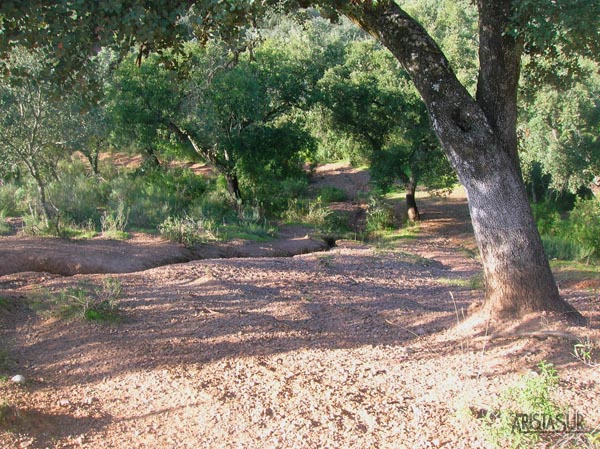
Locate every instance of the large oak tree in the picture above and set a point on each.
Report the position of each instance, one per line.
(477, 133)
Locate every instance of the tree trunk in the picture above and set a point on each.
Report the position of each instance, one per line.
(411, 204)
(93, 157)
(46, 208)
(517, 274)
(479, 139)
(150, 158)
(233, 186)
(47, 211)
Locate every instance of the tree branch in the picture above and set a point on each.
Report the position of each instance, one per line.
(499, 60)
(458, 120)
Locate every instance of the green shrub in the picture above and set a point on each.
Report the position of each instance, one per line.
(533, 394)
(547, 218)
(91, 302)
(575, 238)
(584, 226)
(247, 231)
(331, 195)
(216, 204)
(152, 196)
(293, 187)
(146, 207)
(113, 223)
(188, 230)
(380, 215)
(119, 198)
(307, 212)
(338, 225)
(77, 196)
(559, 247)
(273, 194)
(5, 228)
(34, 225)
(9, 200)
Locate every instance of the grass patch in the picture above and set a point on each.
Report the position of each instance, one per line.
(35, 226)
(573, 272)
(469, 252)
(380, 216)
(191, 231)
(143, 230)
(85, 301)
(10, 417)
(77, 233)
(587, 351)
(116, 235)
(6, 411)
(331, 195)
(409, 258)
(454, 282)
(561, 248)
(325, 261)
(312, 213)
(90, 302)
(391, 236)
(396, 195)
(113, 223)
(532, 394)
(252, 231)
(337, 226)
(475, 282)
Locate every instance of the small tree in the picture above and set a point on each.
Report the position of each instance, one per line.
(367, 98)
(234, 111)
(35, 122)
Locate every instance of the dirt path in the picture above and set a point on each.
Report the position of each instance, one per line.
(343, 349)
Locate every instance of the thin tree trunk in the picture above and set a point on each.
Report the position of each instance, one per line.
(93, 158)
(233, 186)
(411, 204)
(150, 158)
(479, 139)
(43, 201)
(47, 210)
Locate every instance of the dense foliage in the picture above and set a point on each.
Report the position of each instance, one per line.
(258, 100)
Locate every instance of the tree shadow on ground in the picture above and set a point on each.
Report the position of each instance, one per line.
(206, 311)
(43, 429)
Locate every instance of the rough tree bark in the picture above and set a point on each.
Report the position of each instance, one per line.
(410, 187)
(479, 138)
(411, 205)
(233, 186)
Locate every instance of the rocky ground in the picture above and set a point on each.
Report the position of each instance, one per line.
(360, 346)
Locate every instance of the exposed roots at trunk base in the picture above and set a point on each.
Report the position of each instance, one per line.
(506, 309)
(482, 325)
